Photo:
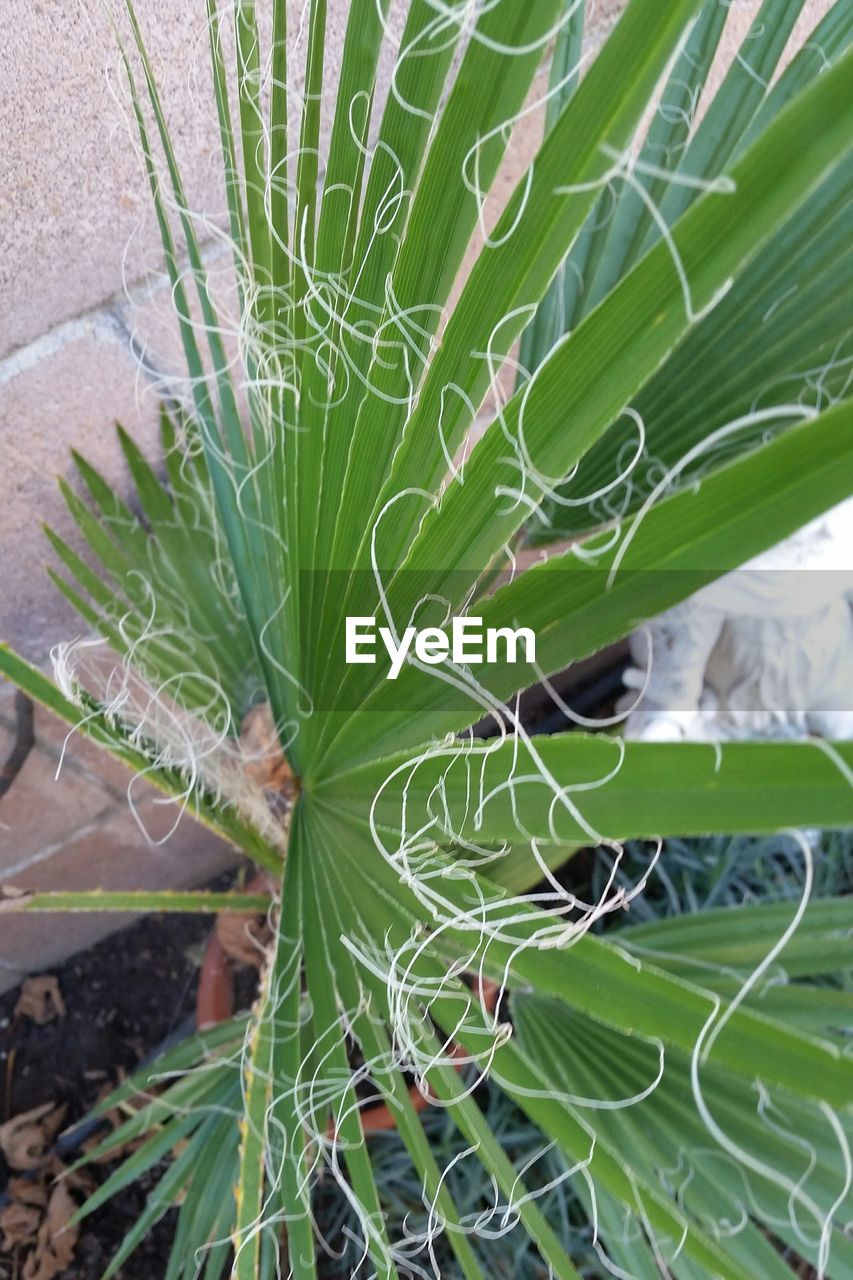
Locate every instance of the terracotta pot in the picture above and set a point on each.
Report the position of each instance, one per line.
(215, 1004)
(214, 1000)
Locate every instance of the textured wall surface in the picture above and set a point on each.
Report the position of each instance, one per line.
(86, 339)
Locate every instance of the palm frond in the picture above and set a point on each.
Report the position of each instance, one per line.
(678, 288)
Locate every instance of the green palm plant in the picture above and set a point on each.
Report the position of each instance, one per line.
(679, 292)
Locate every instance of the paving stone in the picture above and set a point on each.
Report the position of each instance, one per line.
(75, 752)
(74, 206)
(75, 210)
(40, 813)
(113, 856)
(70, 395)
(80, 755)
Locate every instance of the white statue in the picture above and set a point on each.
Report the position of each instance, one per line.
(766, 651)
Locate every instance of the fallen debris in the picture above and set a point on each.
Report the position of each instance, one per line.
(40, 1000)
(26, 1139)
(57, 1237)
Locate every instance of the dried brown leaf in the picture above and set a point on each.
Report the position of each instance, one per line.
(21, 1218)
(27, 1191)
(242, 937)
(19, 1224)
(264, 760)
(54, 1251)
(40, 999)
(25, 1139)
